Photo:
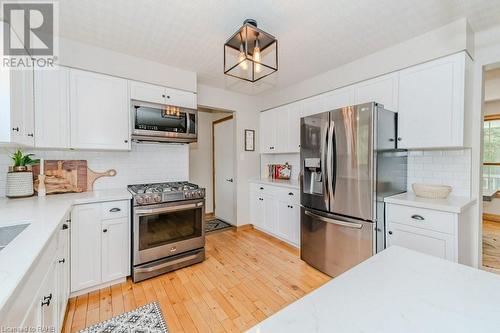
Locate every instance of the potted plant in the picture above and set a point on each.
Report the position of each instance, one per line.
(22, 162)
(20, 176)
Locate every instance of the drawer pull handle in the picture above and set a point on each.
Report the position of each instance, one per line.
(114, 210)
(417, 217)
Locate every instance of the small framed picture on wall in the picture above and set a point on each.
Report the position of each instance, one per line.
(249, 140)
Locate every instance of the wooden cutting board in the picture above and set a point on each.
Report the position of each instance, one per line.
(63, 176)
(92, 176)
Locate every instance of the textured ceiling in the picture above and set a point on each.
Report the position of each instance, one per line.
(314, 36)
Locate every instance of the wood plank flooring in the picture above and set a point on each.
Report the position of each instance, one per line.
(246, 277)
(491, 244)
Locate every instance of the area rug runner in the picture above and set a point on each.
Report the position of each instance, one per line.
(144, 319)
(216, 225)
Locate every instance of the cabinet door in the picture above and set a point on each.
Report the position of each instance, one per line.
(270, 213)
(62, 264)
(431, 104)
(294, 113)
(48, 293)
(181, 98)
(283, 225)
(267, 132)
(85, 246)
(100, 112)
(295, 222)
(336, 99)
(280, 121)
(52, 108)
(145, 92)
(430, 242)
(115, 248)
(257, 209)
(382, 90)
(22, 119)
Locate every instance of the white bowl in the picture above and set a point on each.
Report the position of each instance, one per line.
(431, 191)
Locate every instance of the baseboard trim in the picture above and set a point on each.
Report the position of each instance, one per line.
(244, 227)
(97, 287)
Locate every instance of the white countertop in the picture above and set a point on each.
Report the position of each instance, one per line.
(451, 204)
(290, 183)
(397, 290)
(44, 215)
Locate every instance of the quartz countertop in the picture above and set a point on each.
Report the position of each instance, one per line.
(43, 214)
(290, 183)
(452, 204)
(397, 290)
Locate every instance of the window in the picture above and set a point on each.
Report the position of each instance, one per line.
(491, 158)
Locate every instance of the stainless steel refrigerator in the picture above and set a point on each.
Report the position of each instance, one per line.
(349, 164)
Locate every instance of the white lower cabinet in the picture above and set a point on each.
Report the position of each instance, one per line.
(41, 300)
(100, 246)
(426, 230)
(276, 211)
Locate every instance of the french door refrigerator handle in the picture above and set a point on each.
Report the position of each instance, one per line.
(337, 222)
(324, 170)
(329, 157)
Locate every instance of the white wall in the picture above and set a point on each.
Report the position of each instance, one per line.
(200, 155)
(146, 163)
(92, 58)
(446, 40)
(246, 117)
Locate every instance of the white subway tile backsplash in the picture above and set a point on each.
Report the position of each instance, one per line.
(446, 167)
(145, 163)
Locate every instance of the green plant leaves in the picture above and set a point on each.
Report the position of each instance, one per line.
(23, 160)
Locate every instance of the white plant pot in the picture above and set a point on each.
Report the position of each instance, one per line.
(19, 184)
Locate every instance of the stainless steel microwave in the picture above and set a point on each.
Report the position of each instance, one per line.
(163, 123)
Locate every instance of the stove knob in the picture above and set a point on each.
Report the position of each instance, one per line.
(157, 198)
(140, 200)
(188, 195)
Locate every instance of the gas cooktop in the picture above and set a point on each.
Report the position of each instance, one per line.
(147, 194)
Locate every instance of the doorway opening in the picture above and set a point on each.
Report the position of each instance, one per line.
(491, 169)
(212, 164)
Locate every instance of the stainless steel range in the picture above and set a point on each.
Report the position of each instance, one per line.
(168, 227)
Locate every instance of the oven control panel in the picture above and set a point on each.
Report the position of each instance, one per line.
(195, 194)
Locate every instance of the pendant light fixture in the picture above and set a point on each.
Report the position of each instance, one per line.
(250, 54)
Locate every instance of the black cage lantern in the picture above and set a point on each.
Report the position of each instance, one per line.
(250, 54)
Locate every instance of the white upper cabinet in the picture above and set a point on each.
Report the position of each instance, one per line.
(431, 104)
(267, 132)
(151, 93)
(52, 108)
(295, 111)
(382, 90)
(281, 126)
(99, 106)
(280, 129)
(336, 99)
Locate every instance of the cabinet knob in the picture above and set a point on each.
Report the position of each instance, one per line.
(163, 95)
(16, 129)
(168, 96)
(31, 134)
(62, 261)
(261, 188)
(290, 193)
(126, 141)
(390, 232)
(64, 226)
(392, 140)
(104, 230)
(400, 139)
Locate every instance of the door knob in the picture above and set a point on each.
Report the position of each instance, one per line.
(229, 180)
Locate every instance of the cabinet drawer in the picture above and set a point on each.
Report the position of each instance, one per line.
(260, 188)
(287, 194)
(114, 209)
(422, 218)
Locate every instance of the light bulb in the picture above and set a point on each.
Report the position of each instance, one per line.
(242, 58)
(256, 56)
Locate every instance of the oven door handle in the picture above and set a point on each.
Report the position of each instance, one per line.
(168, 209)
(168, 263)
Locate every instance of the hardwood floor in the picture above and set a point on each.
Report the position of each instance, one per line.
(491, 244)
(246, 277)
